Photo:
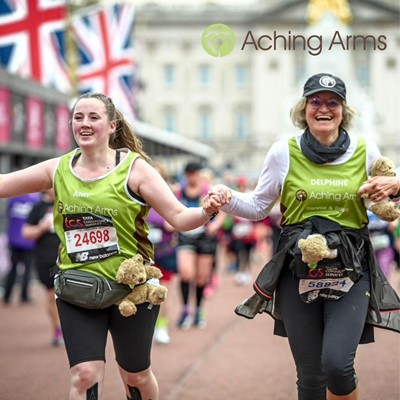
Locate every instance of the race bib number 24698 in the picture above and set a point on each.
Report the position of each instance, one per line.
(89, 237)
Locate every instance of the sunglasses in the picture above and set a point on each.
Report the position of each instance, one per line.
(316, 102)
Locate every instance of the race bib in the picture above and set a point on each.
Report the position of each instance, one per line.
(89, 237)
(326, 283)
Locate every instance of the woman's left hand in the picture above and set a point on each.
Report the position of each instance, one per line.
(380, 187)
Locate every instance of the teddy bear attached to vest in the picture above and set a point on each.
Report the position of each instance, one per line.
(146, 287)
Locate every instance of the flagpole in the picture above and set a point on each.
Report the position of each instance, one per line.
(71, 51)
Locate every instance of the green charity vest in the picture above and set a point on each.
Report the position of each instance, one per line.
(328, 191)
(98, 222)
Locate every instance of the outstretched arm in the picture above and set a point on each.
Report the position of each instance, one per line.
(36, 178)
(147, 182)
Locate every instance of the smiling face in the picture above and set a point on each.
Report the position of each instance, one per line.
(323, 115)
(90, 123)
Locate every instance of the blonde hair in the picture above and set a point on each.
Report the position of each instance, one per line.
(298, 115)
(124, 135)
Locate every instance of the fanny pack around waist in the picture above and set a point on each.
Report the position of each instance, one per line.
(87, 290)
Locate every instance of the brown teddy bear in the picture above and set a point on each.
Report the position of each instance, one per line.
(386, 208)
(146, 285)
(314, 248)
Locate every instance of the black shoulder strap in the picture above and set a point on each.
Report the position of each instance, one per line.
(117, 157)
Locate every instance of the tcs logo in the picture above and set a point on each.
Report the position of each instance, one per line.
(316, 272)
(73, 223)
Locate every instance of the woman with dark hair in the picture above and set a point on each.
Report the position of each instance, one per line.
(103, 192)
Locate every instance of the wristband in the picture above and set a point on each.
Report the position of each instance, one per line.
(207, 216)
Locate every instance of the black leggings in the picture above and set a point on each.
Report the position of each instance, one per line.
(323, 337)
(19, 256)
(85, 334)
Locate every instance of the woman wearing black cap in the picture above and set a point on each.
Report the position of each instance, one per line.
(326, 309)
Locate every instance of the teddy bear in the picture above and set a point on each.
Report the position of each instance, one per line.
(146, 285)
(314, 248)
(386, 208)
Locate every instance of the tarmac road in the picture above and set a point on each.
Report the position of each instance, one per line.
(233, 358)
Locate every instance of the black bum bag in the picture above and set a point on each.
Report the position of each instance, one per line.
(87, 290)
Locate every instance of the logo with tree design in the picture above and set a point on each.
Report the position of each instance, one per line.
(218, 40)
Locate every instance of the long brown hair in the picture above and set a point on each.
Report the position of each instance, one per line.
(124, 136)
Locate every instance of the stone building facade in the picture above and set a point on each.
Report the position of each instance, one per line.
(239, 104)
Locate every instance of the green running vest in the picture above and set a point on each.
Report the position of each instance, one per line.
(98, 222)
(328, 191)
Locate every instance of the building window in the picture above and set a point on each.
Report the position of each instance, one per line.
(300, 65)
(205, 122)
(241, 125)
(169, 75)
(241, 76)
(362, 69)
(391, 63)
(170, 121)
(363, 74)
(204, 76)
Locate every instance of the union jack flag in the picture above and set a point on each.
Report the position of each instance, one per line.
(32, 40)
(106, 54)
(33, 45)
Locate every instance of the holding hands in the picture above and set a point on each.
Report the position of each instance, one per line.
(222, 192)
(218, 196)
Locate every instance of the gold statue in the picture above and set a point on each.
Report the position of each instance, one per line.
(316, 9)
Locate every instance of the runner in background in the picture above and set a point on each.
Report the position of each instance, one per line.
(195, 252)
(40, 228)
(164, 239)
(381, 233)
(18, 209)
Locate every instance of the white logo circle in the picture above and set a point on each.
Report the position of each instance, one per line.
(327, 81)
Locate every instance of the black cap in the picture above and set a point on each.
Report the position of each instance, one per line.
(192, 167)
(325, 83)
